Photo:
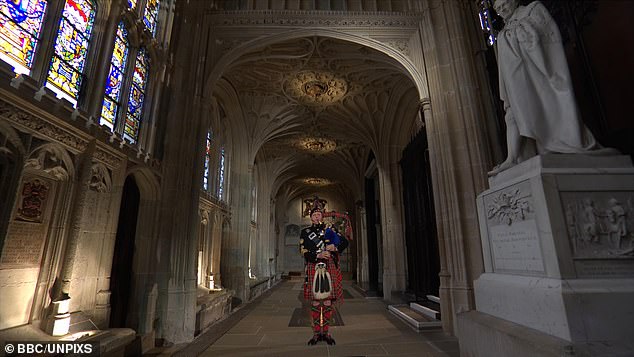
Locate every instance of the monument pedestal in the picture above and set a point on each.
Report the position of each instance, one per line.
(558, 247)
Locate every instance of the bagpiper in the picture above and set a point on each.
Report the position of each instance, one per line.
(321, 246)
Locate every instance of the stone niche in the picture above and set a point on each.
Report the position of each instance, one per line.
(557, 236)
(23, 248)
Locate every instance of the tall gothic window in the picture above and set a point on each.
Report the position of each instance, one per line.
(20, 25)
(137, 96)
(487, 20)
(207, 161)
(67, 65)
(116, 75)
(221, 175)
(130, 88)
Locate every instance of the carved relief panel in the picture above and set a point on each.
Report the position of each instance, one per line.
(600, 224)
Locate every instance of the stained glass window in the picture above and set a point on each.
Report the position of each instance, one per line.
(20, 25)
(137, 96)
(207, 160)
(132, 4)
(486, 21)
(112, 100)
(221, 174)
(71, 46)
(150, 14)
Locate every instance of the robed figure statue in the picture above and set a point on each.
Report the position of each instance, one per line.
(535, 85)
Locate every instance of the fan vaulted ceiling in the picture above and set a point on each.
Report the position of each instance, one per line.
(316, 106)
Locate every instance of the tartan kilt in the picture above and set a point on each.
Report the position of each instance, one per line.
(336, 293)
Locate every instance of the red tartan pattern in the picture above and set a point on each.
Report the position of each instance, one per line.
(335, 275)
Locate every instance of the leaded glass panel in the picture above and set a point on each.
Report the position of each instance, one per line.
(115, 79)
(221, 175)
(20, 25)
(71, 47)
(137, 96)
(150, 15)
(207, 160)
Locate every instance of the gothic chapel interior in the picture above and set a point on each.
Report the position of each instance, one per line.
(157, 158)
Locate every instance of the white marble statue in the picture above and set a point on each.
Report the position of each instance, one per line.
(536, 87)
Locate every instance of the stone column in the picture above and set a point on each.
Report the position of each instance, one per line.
(235, 247)
(458, 145)
(180, 186)
(394, 257)
(57, 324)
(361, 235)
(216, 245)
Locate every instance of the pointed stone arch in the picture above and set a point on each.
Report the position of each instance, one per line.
(146, 180)
(52, 159)
(408, 66)
(143, 294)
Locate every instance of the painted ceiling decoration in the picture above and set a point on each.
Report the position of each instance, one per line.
(315, 87)
(317, 144)
(317, 181)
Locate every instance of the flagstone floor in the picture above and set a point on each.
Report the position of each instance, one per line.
(368, 329)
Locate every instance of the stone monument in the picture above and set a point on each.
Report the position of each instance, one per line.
(536, 88)
(557, 224)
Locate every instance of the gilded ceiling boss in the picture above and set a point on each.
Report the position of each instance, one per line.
(321, 246)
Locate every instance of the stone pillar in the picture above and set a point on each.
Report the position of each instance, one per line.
(59, 321)
(180, 186)
(235, 247)
(361, 235)
(394, 257)
(216, 245)
(458, 145)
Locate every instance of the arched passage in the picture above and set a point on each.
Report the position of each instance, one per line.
(121, 278)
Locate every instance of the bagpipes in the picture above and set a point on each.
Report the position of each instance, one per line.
(347, 226)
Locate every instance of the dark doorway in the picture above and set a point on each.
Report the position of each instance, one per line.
(121, 275)
(373, 224)
(423, 264)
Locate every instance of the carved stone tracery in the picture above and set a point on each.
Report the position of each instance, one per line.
(41, 127)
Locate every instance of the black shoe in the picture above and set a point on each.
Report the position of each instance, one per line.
(313, 341)
(329, 340)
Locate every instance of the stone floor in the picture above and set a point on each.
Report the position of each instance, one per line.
(369, 330)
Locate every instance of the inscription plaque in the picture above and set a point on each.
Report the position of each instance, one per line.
(515, 248)
(24, 244)
(603, 268)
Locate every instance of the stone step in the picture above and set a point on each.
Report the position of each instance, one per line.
(433, 298)
(414, 319)
(429, 311)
